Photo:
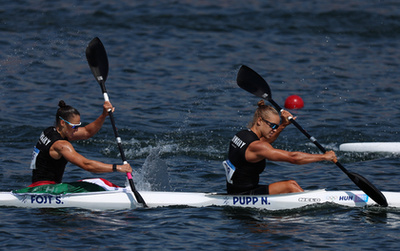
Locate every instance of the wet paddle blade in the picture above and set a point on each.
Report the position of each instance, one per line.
(250, 81)
(368, 188)
(97, 59)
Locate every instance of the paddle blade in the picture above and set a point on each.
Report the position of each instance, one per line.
(368, 188)
(97, 59)
(250, 81)
(138, 197)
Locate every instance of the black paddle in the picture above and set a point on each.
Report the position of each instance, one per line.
(250, 81)
(97, 58)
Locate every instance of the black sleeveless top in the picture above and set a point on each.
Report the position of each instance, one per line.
(43, 165)
(247, 175)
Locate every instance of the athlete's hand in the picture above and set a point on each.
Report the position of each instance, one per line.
(331, 156)
(107, 106)
(285, 115)
(126, 168)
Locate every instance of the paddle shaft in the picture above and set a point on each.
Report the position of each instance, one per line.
(111, 115)
(98, 61)
(138, 197)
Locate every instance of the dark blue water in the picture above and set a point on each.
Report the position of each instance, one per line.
(173, 67)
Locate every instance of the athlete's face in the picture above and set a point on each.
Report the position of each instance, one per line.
(270, 125)
(71, 126)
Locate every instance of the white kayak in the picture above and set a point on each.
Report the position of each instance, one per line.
(392, 147)
(124, 199)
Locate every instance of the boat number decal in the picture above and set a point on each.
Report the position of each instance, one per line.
(46, 199)
(250, 200)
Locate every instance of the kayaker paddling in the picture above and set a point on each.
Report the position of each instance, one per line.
(246, 160)
(53, 150)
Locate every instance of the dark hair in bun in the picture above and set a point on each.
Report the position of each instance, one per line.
(65, 111)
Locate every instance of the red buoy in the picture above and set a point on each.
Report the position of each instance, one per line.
(294, 102)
